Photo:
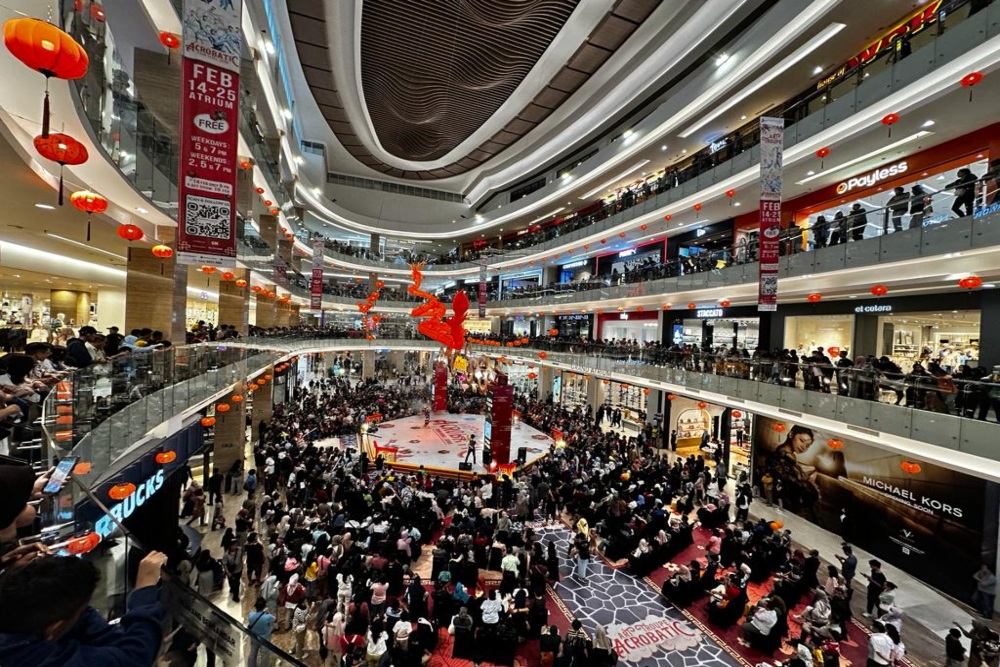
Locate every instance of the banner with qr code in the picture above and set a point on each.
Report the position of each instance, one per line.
(316, 286)
(772, 131)
(210, 91)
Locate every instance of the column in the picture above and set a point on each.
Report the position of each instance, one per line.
(989, 329)
(295, 319)
(866, 330)
(367, 364)
(110, 308)
(261, 408)
(234, 302)
(266, 316)
(70, 305)
(282, 314)
(269, 229)
(373, 244)
(544, 382)
(156, 291)
(230, 430)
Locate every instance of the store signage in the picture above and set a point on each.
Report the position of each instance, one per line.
(482, 290)
(572, 318)
(316, 283)
(987, 210)
(873, 309)
(210, 98)
(870, 179)
(708, 313)
(717, 146)
(626, 253)
(126, 508)
(576, 265)
(522, 274)
(772, 135)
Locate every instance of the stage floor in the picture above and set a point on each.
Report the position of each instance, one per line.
(444, 442)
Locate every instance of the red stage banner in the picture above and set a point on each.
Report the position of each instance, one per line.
(772, 132)
(316, 286)
(500, 407)
(210, 98)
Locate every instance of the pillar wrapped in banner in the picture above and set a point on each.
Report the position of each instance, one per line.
(499, 414)
(440, 386)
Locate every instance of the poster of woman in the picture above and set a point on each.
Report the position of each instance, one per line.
(915, 514)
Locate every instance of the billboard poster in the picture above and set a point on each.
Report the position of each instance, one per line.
(772, 132)
(316, 284)
(915, 515)
(482, 291)
(210, 96)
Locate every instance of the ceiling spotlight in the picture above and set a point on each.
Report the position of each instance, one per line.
(928, 123)
(743, 117)
(817, 70)
(663, 147)
(140, 209)
(45, 207)
(810, 173)
(723, 57)
(627, 133)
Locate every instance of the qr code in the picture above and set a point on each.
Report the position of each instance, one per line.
(769, 285)
(207, 217)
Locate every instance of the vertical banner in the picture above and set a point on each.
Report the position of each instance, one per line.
(316, 286)
(482, 290)
(501, 403)
(280, 274)
(210, 97)
(440, 386)
(772, 132)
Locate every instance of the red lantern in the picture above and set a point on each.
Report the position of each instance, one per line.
(542, 355)
(671, 397)
(553, 332)
(164, 458)
(48, 50)
(604, 240)
(532, 376)
(253, 386)
(697, 207)
(910, 467)
(267, 376)
(970, 80)
(815, 297)
(779, 427)
(63, 150)
(833, 351)
(227, 276)
(130, 232)
(821, 154)
(641, 228)
(207, 270)
(834, 443)
(889, 120)
(621, 235)
(259, 190)
(246, 163)
(702, 405)
(241, 283)
(236, 398)
(692, 305)
(257, 288)
(208, 421)
(170, 40)
(879, 290)
(666, 306)
(86, 201)
(724, 303)
(668, 217)
(162, 251)
(268, 202)
(222, 407)
(970, 282)
(737, 414)
(730, 193)
(121, 491)
(274, 210)
(638, 309)
(645, 391)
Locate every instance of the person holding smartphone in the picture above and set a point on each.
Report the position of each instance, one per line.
(46, 619)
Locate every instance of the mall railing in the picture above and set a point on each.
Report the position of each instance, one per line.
(863, 398)
(849, 244)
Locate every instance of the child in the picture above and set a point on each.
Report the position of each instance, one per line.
(953, 650)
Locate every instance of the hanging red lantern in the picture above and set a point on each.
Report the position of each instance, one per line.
(879, 290)
(970, 282)
(970, 80)
(48, 50)
(246, 163)
(268, 202)
(671, 397)
(779, 427)
(553, 332)
(267, 376)
(222, 407)
(737, 414)
(164, 458)
(889, 120)
(88, 202)
(241, 283)
(227, 276)
(257, 288)
(645, 391)
(641, 228)
(639, 309)
(121, 491)
(171, 41)
(162, 251)
(697, 207)
(724, 303)
(621, 235)
(730, 193)
(208, 421)
(668, 217)
(63, 150)
(910, 467)
(692, 305)
(532, 376)
(815, 297)
(834, 443)
(130, 232)
(702, 405)
(666, 306)
(253, 386)
(259, 190)
(821, 154)
(274, 210)
(604, 240)
(236, 398)
(542, 355)
(207, 269)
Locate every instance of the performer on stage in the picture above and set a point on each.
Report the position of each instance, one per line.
(472, 449)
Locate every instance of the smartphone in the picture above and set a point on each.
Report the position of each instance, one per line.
(59, 476)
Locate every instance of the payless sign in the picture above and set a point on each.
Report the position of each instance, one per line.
(872, 178)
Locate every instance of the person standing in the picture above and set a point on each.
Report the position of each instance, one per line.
(215, 486)
(848, 568)
(897, 206)
(880, 646)
(858, 222)
(472, 449)
(965, 192)
(984, 597)
(254, 552)
(876, 584)
(581, 555)
(954, 652)
(918, 206)
(232, 562)
(260, 624)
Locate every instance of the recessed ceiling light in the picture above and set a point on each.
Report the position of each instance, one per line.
(817, 70)
(663, 147)
(853, 296)
(737, 204)
(810, 173)
(684, 151)
(140, 209)
(45, 207)
(723, 57)
(928, 123)
(627, 133)
(743, 117)
(17, 275)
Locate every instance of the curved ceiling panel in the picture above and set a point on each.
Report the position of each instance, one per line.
(433, 71)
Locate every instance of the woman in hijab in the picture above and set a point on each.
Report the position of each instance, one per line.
(461, 628)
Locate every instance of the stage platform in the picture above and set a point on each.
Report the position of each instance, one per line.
(443, 443)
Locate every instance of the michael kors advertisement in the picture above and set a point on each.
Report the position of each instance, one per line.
(935, 523)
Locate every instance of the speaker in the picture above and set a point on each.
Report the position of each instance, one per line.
(522, 455)
(465, 466)
(487, 457)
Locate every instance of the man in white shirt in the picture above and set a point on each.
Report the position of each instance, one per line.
(879, 646)
(490, 609)
(760, 624)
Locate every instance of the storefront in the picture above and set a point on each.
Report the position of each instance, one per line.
(579, 271)
(716, 238)
(872, 186)
(513, 283)
(614, 266)
(629, 399)
(573, 326)
(642, 327)
(716, 326)
(805, 333)
(521, 325)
